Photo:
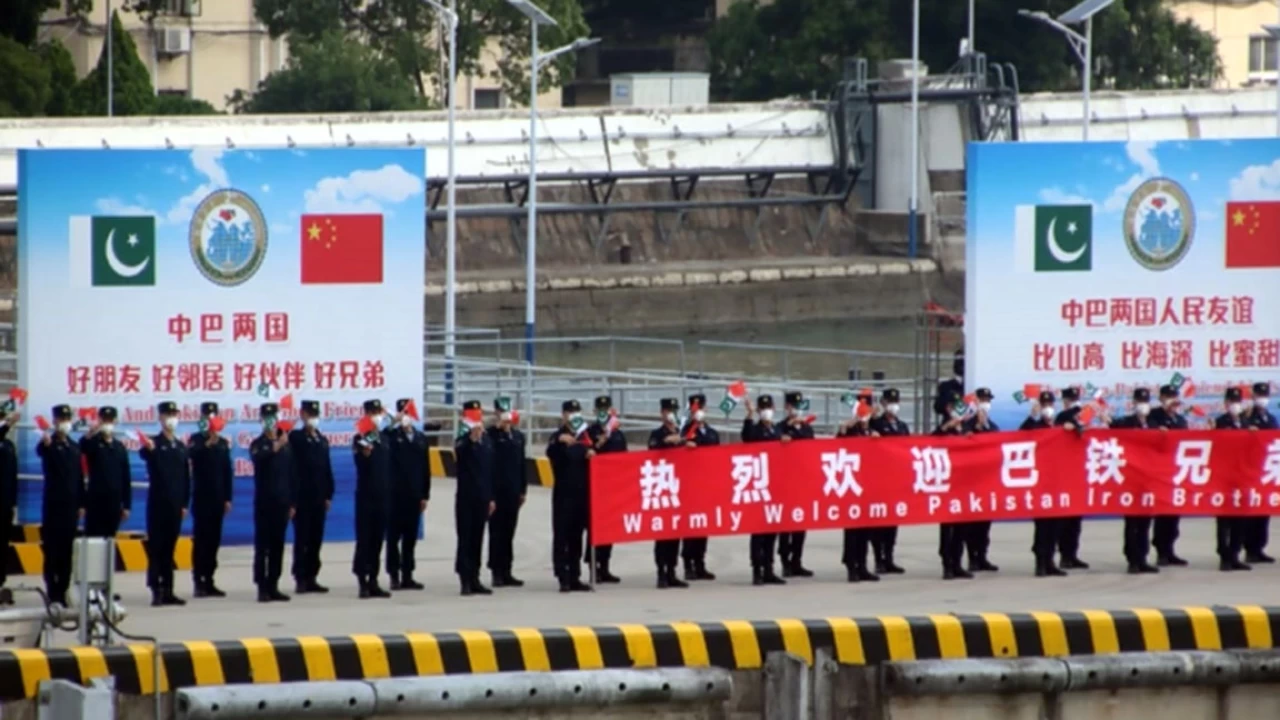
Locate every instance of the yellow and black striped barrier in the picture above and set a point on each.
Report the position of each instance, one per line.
(27, 558)
(31, 532)
(735, 645)
(444, 464)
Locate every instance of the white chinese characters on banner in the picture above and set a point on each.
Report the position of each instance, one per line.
(840, 468)
(751, 479)
(1271, 464)
(659, 486)
(1104, 461)
(1192, 458)
(1018, 465)
(933, 470)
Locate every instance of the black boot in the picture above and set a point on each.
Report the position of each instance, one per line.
(757, 575)
(673, 580)
(604, 576)
(157, 598)
(264, 596)
(212, 590)
(1170, 559)
(497, 579)
(577, 585)
(408, 583)
(276, 596)
(510, 580)
(365, 591)
(785, 563)
(663, 581)
(565, 586)
(199, 588)
(1230, 564)
(981, 564)
(690, 571)
(478, 588)
(701, 571)
(173, 600)
(395, 579)
(1258, 558)
(770, 578)
(890, 568)
(798, 570)
(1046, 568)
(1074, 563)
(865, 575)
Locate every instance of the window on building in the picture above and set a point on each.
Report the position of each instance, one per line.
(1262, 54)
(487, 99)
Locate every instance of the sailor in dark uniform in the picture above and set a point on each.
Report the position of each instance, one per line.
(568, 455)
(1137, 528)
(1045, 536)
(8, 495)
(694, 550)
(1069, 528)
(212, 475)
(978, 533)
(887, 424)
(473, 503)
(1257, 530)
(373, 485)
(951, 387)
(312, 464)
(762, 544)
(275, 492)
(1165, 527)
(509, 490)
(603, 440)
(410, 492)
(951, 536)
(110, 488)
(63, 504)
(857, 539)
(1230, 529)
(667, 436)
(168, 497)
(791, 545)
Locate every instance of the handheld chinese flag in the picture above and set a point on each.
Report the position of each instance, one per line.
(42, 423)
(473, 417)
(1188, 389)
(365, 426)
(411, 409)
(809, 419)
(734, 395)
(284, 426)
(1251, 236)
(1100, 397)
(613, 422)
(18, 396)
(515, 417)
(341, 249)
(286, 402)
(1197, 411)
(1086, 414)
(142, 437)
(1031, 391)
(862, 409)
(216, 423)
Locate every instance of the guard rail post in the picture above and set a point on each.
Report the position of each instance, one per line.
(786, 687)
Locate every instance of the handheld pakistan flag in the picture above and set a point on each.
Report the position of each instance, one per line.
(734, 395)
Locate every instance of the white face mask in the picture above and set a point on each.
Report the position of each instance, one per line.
(268, 425)
(669, 417)
(699, 415)
(892, 408)
(406, 422)
(106, 428)
(1234, 408)
(170, 423)
(1260, 403)
(1046, 413)
(792, 412)
(575, 418)
(1142, 408)
(766, 414)
(381, 420)
(505, 417)
(313, 422)
(984, 406)
(64, 427)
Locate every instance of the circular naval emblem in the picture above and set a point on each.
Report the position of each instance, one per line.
(228, 237)
(1159, 224)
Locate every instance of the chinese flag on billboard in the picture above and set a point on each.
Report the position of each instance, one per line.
(339, 249)
(1253, 234)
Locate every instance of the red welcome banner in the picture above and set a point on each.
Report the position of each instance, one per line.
(919, 480)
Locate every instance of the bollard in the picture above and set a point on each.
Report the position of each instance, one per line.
(61, 700)
(786, 687)
(1131, 670)
(1258, 666)
(825, 671)
(285, 700)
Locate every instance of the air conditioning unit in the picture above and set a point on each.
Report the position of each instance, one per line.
(173, 41)
(191, 8)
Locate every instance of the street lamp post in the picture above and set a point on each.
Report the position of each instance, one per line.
(1273, 32)
(1081, 44)
(915, 129)
(537, 16)
(111, 75)
(972, 48)
(450, 15)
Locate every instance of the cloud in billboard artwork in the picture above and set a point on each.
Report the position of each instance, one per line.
(1257, 182)
(1058, 196)
(1140, 153)
(205, 161)
(363, 191)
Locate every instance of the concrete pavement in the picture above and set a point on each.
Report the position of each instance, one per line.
(538, 604)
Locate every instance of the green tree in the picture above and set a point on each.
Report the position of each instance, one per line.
(795, 47)
(62, 79)
(20, 19)
(405, 31)
(24, 81)
(179, 105)
(132, 92)
(332, 74)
